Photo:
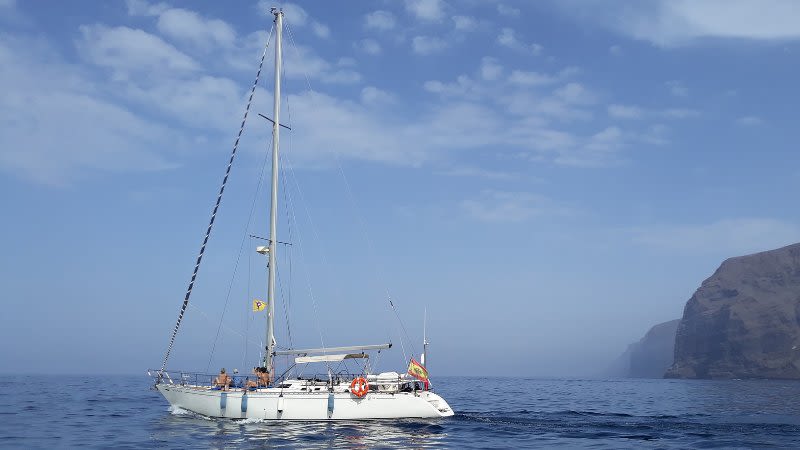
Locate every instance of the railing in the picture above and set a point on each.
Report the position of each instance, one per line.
(198, 379)
(240, 381)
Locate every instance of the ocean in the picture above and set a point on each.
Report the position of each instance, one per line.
(122, 412)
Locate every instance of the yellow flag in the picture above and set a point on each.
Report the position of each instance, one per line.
(416, 370)
(258, 305)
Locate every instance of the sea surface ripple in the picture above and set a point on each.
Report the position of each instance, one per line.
(123, 412)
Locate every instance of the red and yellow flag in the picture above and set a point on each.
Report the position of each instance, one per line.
(416, 370)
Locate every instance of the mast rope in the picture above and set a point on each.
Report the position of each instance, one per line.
(214, 212)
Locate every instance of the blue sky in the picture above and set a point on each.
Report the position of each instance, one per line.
(549, 179)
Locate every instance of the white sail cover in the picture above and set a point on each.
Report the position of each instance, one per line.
(329, 358)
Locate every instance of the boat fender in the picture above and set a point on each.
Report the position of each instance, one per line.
(330, 402)
(280, 403)
(359, 387)
(223, 400)
(244, 402)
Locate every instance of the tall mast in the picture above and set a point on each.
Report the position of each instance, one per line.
(273, 210)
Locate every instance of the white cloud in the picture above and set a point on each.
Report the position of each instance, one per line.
(749, 121)
(343, 76)
(526, 111)
(428, 10)
(295, 16)
(677, 88)
(599, 150)
(189, 27)
(465, 23)
(508, 11)
(145, 8)
(608, 137)
(427, 45)
(530, 78)
(729, 237)
(510, 207)
(321, 30)
(476, 172)
(369, 46)
(56, 126)
(379, 20)
(463, 87)
(218, 98)
(490, 69)
(128, 50)
(301, 61)
(339, 128)
(508, 38)
(671, 23)
(574, 93)
(635, 112)
(371, 95)
(625, 111)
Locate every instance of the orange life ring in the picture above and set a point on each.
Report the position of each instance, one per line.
(359, 387)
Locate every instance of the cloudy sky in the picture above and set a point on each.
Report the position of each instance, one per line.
(549, 179)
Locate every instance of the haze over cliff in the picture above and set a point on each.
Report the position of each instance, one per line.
(744, 320)
(651, 356)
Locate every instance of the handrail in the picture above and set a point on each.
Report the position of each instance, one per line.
(240, 381)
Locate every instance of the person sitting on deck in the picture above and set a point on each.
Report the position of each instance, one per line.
(223, 380)
(262, 378)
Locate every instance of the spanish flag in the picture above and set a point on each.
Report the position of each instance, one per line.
(258, 305)
(416, 370)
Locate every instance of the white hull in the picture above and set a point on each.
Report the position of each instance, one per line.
(278, 404)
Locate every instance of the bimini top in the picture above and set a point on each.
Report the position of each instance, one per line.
(329, 358)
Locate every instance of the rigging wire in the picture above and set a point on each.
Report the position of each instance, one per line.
(247, 316)
(238, 258)
(227, 328)
(291, 209)
(214, 212)
(378, 269)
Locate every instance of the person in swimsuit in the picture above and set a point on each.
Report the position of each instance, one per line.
(223, 380)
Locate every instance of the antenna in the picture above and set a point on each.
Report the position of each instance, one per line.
(424, 337)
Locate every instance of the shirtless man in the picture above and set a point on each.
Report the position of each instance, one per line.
(264, 377)
(222, 380)
(257, 372)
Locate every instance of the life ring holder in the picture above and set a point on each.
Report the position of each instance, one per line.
(359, 387)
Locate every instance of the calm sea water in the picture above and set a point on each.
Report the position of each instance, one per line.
(122, 412)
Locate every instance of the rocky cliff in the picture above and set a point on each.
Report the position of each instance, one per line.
(651, 356)
(743, 321)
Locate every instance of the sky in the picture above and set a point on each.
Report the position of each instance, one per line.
(547, 179)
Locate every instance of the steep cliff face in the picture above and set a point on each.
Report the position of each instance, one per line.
(655, 352)
(651, 356)
(743, 321)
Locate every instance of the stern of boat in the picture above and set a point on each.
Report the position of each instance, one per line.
(441, 406)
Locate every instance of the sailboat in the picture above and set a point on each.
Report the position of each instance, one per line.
(366, 395)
